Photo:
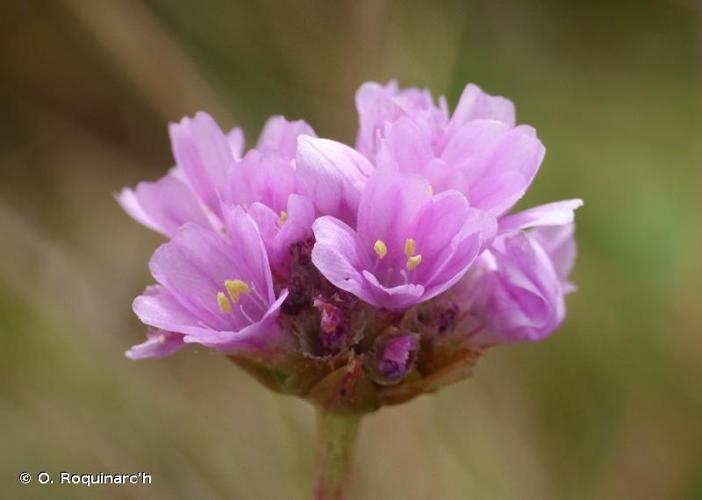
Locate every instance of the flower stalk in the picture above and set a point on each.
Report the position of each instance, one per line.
(336, 440)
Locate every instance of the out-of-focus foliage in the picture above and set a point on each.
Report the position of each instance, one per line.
(609, 408)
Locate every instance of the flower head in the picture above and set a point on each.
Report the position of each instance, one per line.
(355, 276)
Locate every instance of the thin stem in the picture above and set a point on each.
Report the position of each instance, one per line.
(336, 439)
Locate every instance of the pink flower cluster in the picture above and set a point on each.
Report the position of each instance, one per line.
(387, 258)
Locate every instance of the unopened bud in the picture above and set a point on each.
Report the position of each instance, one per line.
(395, 355)
(333, 327)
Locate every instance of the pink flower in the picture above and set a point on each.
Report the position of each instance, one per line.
(516, 290)
(478, 150)
(213, 290)
(408, 245)
(211, 173)
(355, 276)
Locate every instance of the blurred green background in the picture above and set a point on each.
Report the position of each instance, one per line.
(608, 408)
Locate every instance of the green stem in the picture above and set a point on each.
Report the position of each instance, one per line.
(335, 443)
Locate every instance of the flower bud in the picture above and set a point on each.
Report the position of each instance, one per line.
(395, 354)
(333, 327)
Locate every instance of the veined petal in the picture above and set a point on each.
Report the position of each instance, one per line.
(332, 175)
(280, 135)
(278, 235)
(406, 148)
(249, 257)
(454, 235)
(336, 255)
(470, 150)
(559, 244)
(263, 338)
(475, 104)
(204, 153)
(161, 309)
(159, 343)
(409, 247)
(268, 223)
(196, 264)
(297, 227)
(519, 296)
(265, 177)
(236, 140)
(497, 163)
(394, 297)
(128, 200)
(163, 206)
(533, 283)
(441, 218)
(551, 214)
(388, 208)
(381, 105)
(214, 289)
(375, 108)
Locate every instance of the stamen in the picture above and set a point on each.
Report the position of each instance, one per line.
(410, 247)
(380, 248)
(430, 189)
(413, 262)
(223, 303)
(246, 315)
(283, 216)
(161, 339)
(235, 288)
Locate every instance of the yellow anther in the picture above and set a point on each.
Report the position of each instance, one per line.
(161, 339)
(283, 216)
(430, 189)
(414, 261)
(235, 288)
(380, 248)
(223, 303)
(410, 247)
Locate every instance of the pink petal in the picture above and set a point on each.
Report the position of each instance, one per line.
(335, 255)
(236, 140)
(163, 206)
(497, 163)
(280, 135)
(160, 343)
(203, 152)
(551, 214)
(475, 104)
(332, 175)
(388, 208)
